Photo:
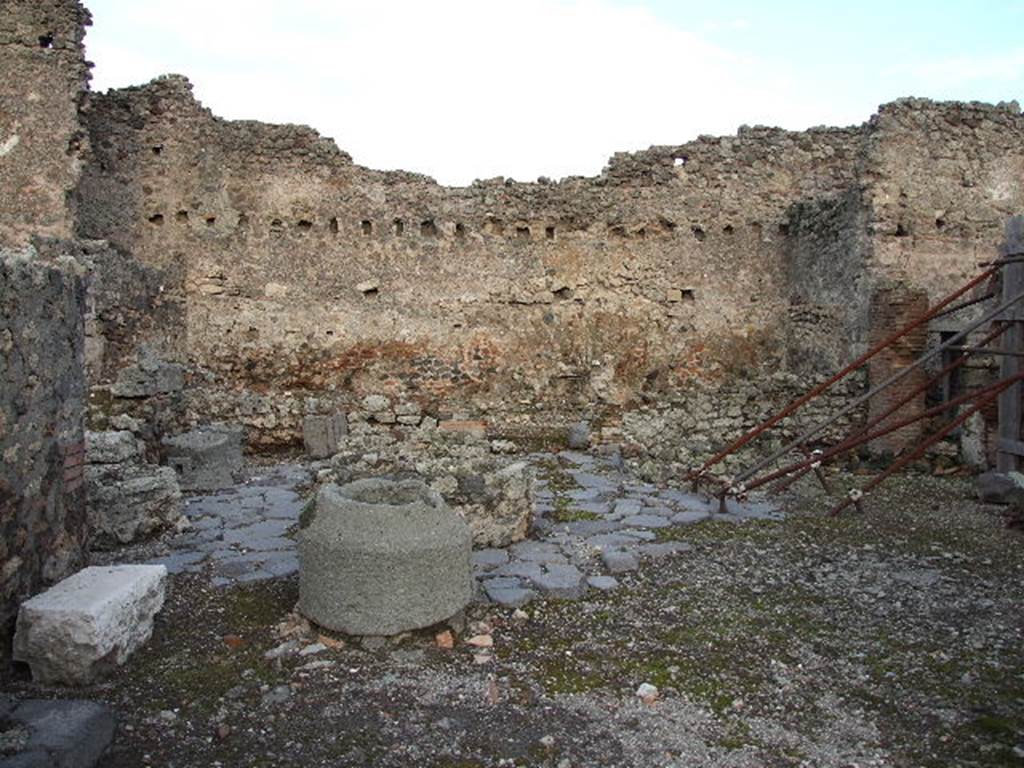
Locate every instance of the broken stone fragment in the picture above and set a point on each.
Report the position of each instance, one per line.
(128, 502)
(126, 497)
(374, 404)
(407, 409)
(110, 447)
(1001, 488)
(497, 503)
(579, 436)
(85, 626)
(647, 693)
(475, 428)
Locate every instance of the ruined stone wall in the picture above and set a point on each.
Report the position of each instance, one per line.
(941, 179)
(41, 140)
(42, 389)
(302, 274)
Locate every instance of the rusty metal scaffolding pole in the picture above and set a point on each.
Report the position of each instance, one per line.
(857, 494)
(865, 437)
(853, 440)
(934, 311)
(857, 402)
(963, 305)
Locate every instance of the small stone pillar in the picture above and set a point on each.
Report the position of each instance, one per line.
(893, 305)
(381, 557)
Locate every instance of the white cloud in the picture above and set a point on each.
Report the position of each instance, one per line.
(458, 89)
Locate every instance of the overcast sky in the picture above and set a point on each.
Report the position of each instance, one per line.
(465, 89)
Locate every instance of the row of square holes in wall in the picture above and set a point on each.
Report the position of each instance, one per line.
(429, 229)
(277, 227)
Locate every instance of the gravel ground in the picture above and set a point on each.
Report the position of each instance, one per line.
(888, 639)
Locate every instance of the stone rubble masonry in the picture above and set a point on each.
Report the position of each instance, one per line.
(681, 266)
(42, 142)
(43, 527)
(382, 557)
(87, 625)
(128, 499)
(668, 436)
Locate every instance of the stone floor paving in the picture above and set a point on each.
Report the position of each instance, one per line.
(245, 533)
(593, 521)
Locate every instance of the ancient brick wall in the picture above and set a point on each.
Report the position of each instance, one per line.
(42, 391)
(41, 140)
(894, 305)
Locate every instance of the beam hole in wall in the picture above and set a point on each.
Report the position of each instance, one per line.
(157, 219)
(211, 220)
(940, 223)
(728, 229)
(276, 228)
(46, 41)
(333, 225)
(428, 228)
(367, 227)
(618, 231)
(181, 216)
(549, 233)
(699, 234)
(563, 294)
(679, 162)
(784, 228)
(157, 149)
(243, 222)
(687, 294)
(460, 231)
(667, 225)
(304, 225)
(522, 233)
(642, 233)
(399, 227)
(901, 230)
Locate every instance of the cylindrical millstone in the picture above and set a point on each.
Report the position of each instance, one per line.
(381, 557)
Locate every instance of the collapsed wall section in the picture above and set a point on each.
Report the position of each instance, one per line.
(43, 525)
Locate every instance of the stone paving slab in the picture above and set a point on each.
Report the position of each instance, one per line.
(242, 534)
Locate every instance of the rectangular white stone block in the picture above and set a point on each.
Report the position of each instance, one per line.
(90, 623)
